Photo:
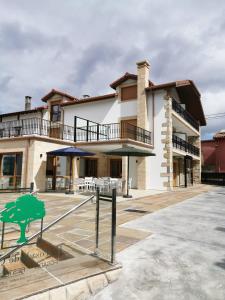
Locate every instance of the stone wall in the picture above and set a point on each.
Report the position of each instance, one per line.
(166, 133)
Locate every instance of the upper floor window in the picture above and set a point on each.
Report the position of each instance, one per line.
(129, 92)
(56, 113)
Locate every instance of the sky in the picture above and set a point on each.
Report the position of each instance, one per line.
(81, 46)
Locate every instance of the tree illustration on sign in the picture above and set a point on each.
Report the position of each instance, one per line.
(23, 211)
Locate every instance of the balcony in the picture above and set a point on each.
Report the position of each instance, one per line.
(181, 144)
(109, 132)
(36, 126)
(88, 133)
(185, 114)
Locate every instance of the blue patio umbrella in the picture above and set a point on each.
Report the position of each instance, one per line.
(71, 152)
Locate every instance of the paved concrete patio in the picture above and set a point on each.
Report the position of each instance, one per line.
(184, 258)
(76, 233)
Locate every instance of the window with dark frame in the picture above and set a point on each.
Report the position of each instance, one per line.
(56, 113)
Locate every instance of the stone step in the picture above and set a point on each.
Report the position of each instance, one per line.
(33, 256)
(57, 252)
(14, 268)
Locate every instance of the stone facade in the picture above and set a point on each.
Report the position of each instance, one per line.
(196, 164)
(166, 133)
(142, 119)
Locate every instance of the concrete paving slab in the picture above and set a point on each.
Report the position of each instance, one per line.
(183, 259)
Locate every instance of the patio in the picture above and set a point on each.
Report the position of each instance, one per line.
(77, 234)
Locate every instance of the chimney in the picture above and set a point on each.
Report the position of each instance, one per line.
(142, 119)
(86, 96)
(142, 83)
(28, 103)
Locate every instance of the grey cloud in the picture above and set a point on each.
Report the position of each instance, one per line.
(82, 47)
(15, 37)
(4, 83)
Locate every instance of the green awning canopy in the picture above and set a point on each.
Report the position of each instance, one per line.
(130, 151)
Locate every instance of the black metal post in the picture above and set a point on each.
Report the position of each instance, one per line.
(41, 227)
(31, 187)
(113, 236)
(185, 171)
(75, 129)
(97, 221)
(87, 134)
(3, 233)
(97, 132)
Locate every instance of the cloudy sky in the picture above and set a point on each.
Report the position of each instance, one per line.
(81, 46)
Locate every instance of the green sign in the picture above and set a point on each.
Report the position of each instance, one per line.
(23, 211)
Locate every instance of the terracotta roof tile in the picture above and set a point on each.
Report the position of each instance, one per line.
(54, 91)
(219, 135)
(125, 77)
(90, 99)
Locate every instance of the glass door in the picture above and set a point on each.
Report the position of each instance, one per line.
(10, 171)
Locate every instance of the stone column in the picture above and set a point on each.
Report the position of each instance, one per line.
(196, 141)
(124, 173)
(75, 170)
(142, 117)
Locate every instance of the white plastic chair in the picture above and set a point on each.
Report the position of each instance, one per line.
(79, 182)
(89, 183)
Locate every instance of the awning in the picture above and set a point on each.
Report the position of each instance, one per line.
(130, 151)
(70, 151)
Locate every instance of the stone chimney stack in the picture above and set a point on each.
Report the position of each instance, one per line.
(28, 102)
(142, 119)
(142, 83)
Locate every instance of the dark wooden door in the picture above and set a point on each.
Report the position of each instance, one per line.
(116, 168)
(129, 129)
(91, 167)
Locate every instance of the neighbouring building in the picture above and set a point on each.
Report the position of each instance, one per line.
(213, 153)
(163, 118)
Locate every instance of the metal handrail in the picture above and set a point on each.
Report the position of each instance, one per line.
(185, 146)
(184, 114)
(6, 255)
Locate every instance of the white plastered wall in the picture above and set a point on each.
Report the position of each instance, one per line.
(155, 162)
(104, 111)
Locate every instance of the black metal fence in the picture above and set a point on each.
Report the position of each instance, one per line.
(111, 215)
(184, 114)
(36, 126)
(213, 178)
(113, 131)
(185, 146)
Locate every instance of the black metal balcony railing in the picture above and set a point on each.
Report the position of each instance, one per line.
(185, 146)
(98, 132)
(184, 114)
(113, 131)
(36, 126)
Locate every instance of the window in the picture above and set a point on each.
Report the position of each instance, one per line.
(56, 113)
(10, 171)
(129, 92)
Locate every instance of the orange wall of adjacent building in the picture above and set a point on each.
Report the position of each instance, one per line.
(213, 154)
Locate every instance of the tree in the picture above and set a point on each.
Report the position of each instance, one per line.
(23, 211)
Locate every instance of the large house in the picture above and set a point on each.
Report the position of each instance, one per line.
(213, 159)
(164, 119)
